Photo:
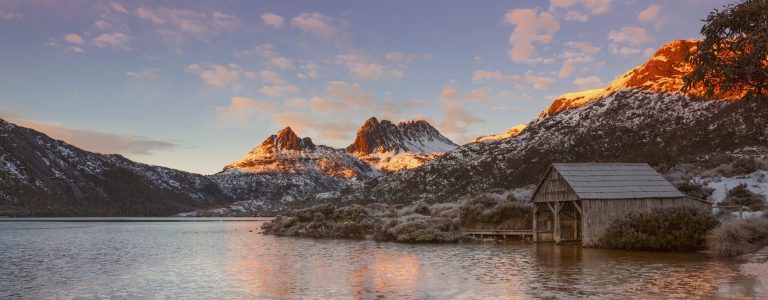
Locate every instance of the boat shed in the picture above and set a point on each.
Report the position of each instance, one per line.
(576, 202)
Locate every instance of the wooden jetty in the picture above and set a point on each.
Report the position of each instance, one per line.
(499, 234)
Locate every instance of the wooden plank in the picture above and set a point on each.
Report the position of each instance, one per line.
(557, 222)
(535, 226)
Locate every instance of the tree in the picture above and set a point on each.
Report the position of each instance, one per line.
(733, 57)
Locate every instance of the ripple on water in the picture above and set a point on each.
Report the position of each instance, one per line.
(226, 260)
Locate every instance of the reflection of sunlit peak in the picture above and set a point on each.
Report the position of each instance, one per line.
(396, 274)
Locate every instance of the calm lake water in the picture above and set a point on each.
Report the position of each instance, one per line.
(231, 260)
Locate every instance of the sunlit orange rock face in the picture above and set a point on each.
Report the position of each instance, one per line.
(285, 152)
(512, 132)
(662, 73)
(391, 147)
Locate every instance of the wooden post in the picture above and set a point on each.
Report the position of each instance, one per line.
(558, 205)
(535, 227)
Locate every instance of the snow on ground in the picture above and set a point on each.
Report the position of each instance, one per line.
(756, 182)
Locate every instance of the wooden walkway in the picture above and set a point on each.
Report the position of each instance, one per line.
(503, 234)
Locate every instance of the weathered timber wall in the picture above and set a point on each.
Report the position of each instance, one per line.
(598, 214)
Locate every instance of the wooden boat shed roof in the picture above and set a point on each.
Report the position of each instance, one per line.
(615, 181)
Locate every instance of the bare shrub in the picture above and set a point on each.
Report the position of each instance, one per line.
(737, 237)
(740, 195)
(676, 229)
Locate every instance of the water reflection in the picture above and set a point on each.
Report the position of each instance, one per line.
(230, 260)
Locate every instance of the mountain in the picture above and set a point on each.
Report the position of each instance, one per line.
(639, 117)
(392, 147)
(663, 73)
(40, 176)
(512, 132)
(285, 152)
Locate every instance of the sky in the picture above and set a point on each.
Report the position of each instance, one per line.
(194, 85)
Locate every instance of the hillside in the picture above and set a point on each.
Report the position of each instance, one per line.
(41, 176)
(640, 117)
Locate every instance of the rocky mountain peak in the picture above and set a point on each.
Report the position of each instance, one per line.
(662, 73)
(286, 140)
(419, 136)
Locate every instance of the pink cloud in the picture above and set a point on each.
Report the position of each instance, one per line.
(530, 26)
(316, 24)
(272, 20)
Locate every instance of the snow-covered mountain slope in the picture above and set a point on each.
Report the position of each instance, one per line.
(286, 153)
(641, 117)
(512, 132)
(663, 73)
(392, 147)
(41, 176)
(629, 125)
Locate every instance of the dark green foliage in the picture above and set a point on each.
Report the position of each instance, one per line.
(737, 237)
(734, 53)
(676, 229)
(742, 196)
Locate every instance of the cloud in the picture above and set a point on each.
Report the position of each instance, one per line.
(584, 47)
(241, 109)
(362, 68)
(580, 10)
(321, 105)
(624, 51)
(225, 76)
(74, 39)
(116, 40)
(4, 15)
(264, 51)
(149, 73)
(582, 54)
(326, 129)
(279, 90)
(630, 35)
(316, 24)
(296, 103)
(308, 70)
(272, 20)
(400, 57)
(197, 24)
(281, 62)
(119, 8)
(76, 49)
(456, 119)
(587, 83)
(98, 141)
(530, 26)
(351, 93)
(271, 77)
(538, 82)
(649, 14)
(478, 95)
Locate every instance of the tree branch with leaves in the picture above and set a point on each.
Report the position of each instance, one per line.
(733, 57)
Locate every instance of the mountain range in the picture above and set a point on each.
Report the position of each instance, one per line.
(640, 117)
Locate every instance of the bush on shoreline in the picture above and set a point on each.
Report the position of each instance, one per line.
(416, 223)
(738, 236)
(674, 229)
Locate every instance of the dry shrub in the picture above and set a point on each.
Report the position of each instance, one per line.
(738, 236)
(483, 211)
(676, 229)
(740, 195)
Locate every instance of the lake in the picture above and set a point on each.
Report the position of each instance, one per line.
(155, 258)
